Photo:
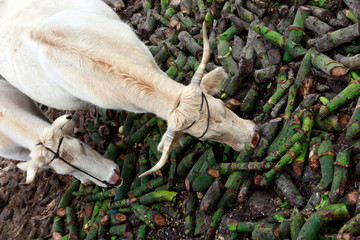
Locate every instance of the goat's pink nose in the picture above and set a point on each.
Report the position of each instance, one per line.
(115, 177)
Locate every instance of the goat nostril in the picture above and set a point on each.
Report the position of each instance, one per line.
(115, 177)
(255, 139)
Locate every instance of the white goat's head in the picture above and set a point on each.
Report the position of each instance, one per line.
(57, 139)
(201, 115)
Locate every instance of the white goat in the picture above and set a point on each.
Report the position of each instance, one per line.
(26, 134)
(70, 55)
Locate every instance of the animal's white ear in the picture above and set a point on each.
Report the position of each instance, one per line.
(65, 124)
(210, 83)
(31, 167)
(165, 145)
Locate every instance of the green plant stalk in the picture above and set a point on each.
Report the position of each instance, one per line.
(128, 172)
(109, 193)
(169, 12)
(196, 168)
(353, 131)
(333, 123)
(303, 71)
(246, 65)
(143, 167)
(327, 4)
(328, 41)
(316, 25)
(298, 163)
(94, 135)
(253, 7)
(295, 50)
(155, 155)
(160, 18)
(214, 223)
(202, 182)
(228, 34)
(66, 198)
(288, 129)
(227, 153)
(186, 163)
(208, 19)
(140, 134)
(228, 168)
(147, 4)
(112, 152)
(352, 226)
(246, 15)
(272, 233)
(238, 226)
(350, 15)
(326, 158)
(71, 223)
(57, 229)
(190, 208)
(119, 230)
(299, 136)
(167, 212)
(327, 65)
(244, 189)
(268, 134)
(145, 188)
(283, 86)
(158, 196)
(93, 232)
(117, 218)
(123, 203)
(248, 103)
(89, 207)
(212, 195)
(340, 175)
(290, 191)
(142, 232)
(83, 190)
(283, 162)
(297, 221)
(356, 113)
(321, 218)
(152, 216)
(179, 63)
(225, 57)
(297, 30)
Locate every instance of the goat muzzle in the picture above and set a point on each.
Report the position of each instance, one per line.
(114, 178)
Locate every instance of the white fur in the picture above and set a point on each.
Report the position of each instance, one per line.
(23, 126)
(73, 54)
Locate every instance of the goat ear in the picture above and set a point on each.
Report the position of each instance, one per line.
(65, 124)
(210, 83)
(31, 167)
(165, 145)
